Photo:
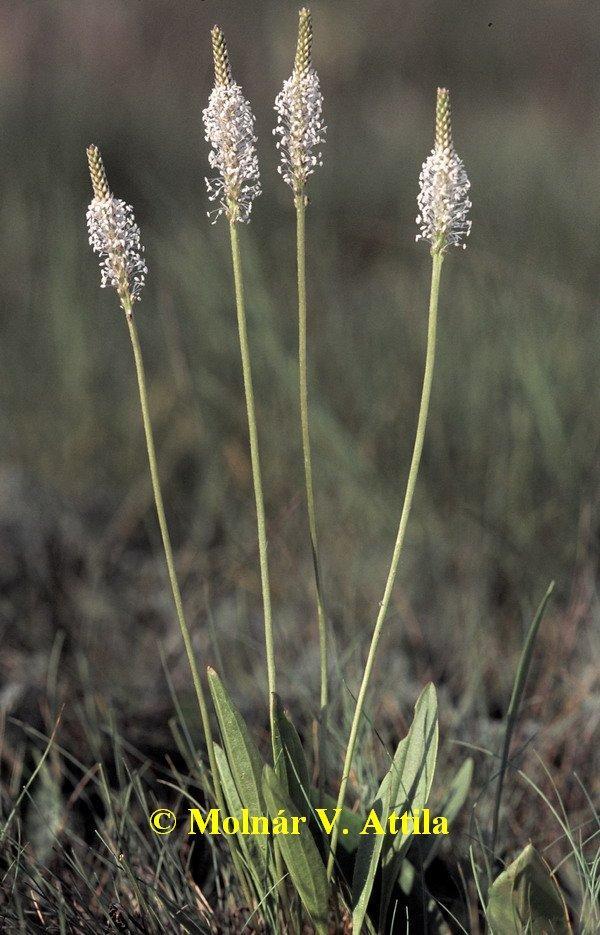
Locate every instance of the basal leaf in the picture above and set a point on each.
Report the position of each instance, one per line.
(299, 853)
(368, 854)
(294, 761)
(249, 845)
(412, 775)
(348, 819)
(450, 806)
(526, 898)
(45, 817)
(243, 757)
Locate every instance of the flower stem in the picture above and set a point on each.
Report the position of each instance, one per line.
(260, 520)
(256, 475)
(310, 500)
(408, 498)
(168, 550)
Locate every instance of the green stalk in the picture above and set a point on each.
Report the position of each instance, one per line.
(168, 550)
(260, 516)
(256, 475)
(310, 500)
(438, 258)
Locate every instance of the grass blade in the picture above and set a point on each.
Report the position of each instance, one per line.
(514, 706)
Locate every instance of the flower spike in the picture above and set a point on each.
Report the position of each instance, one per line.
(443, 199)
(443, 122)
(303, 60)
(229, 128)
(114, 236)
(299, 107)
(221, 58)
(97, 173)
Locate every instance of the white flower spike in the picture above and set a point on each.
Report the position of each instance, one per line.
(443, 199)
(114, 237)
(299, 107)
(229, 126)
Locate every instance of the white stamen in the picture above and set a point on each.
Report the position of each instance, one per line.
(115, 237)
(229, 125)
(300, 126)
(443, 202)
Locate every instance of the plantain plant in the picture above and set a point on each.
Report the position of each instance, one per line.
(289, 878)
(300, 130)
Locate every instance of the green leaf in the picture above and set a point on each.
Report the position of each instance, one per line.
(412, 769)
(414, 762)
(367, 855)
(512, 714)
(232, 798)
(526, 898)
(348, 819)
(294, 769)
(248, 845)
(277, 740)
(243, 757)
(449, 807)
(406, 783)
(299, 853)
(44, 817)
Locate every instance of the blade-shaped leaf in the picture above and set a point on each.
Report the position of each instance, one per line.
(243, 757)
(412, 770)
(291, 766)
(414, 763)
(526, 898)
(352, 821)
(47, 802)
(512, 714)
(249, 845)
(368, 854)
(299, 853)
(407, 782)
(450, 806)
(277, 740)
(232, 798)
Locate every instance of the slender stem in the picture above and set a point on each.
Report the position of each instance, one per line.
(260, 519)
(256, 475)
(408, 498)
(308, 477)
(166, 540)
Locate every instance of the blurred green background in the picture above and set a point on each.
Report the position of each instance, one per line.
(508, 493)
